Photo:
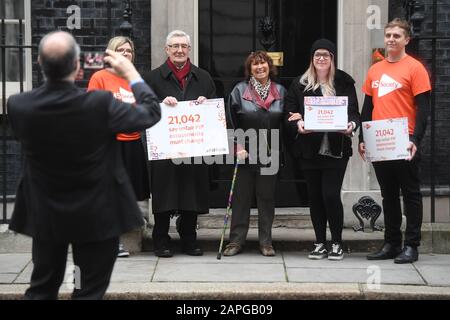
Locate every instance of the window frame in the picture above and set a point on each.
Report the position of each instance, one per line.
(13, 87)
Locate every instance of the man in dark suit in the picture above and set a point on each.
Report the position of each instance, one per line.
(74, 188)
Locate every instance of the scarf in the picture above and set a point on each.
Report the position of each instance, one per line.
(182, 73)
(262, 90)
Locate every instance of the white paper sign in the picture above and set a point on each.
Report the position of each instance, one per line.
(386, 139)
(326, 113)
(189, 130)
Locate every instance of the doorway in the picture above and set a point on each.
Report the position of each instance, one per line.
(229, 30)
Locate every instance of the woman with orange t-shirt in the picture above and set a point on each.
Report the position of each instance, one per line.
(131, 146)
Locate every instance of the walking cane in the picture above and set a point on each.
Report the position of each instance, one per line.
(227, 213)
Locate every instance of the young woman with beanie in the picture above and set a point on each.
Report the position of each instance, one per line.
(323, 156)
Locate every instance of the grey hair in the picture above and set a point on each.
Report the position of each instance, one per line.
(59, 67)
(178, 33)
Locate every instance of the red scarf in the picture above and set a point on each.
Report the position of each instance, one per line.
(182, 73)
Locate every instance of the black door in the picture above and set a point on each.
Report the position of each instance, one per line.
(230, 29)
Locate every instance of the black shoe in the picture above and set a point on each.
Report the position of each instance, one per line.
(409, 255)
(337, 253)
(192, 249)
(388, 251)
(163, 251)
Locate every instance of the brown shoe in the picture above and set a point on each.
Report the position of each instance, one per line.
(232, 249)
(267, 251)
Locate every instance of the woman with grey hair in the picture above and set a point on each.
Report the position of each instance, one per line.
(132, 148)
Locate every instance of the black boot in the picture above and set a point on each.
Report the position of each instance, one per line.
(186, 227)
(162, 249)
(409, 255)
(388, 251)
(191, 247)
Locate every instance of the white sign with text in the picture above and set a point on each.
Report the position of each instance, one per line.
(189, 129)
(386, 139)
(326, 113)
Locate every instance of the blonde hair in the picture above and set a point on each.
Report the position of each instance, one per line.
(118, 41)
(309, 80)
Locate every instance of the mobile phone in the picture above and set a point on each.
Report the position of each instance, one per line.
(94, 60)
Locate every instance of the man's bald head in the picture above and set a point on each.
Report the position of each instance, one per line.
(58, 55)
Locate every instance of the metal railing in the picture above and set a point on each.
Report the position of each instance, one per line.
(434, 37)
(10, 154)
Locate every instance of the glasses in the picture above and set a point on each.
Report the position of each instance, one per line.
(122, 50)
(177, 46)
(325, 56)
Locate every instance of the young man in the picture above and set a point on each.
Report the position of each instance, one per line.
(396, 87)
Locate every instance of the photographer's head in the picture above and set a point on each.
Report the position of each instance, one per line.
(59, 56)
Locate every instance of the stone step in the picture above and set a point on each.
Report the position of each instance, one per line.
(286, 239)
(284, 217)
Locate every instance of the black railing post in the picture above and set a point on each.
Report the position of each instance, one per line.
(432, 116)
(108, 16)
(21, 55)
(126, 28)
(4, 123)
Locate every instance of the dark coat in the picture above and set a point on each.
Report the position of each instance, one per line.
(244, 112)
(307, 146)
(182, 187)
(74, 187)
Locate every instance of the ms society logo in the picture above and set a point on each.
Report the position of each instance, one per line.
(385, 85)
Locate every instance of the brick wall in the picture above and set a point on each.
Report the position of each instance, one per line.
(96, 27)
(423, 49)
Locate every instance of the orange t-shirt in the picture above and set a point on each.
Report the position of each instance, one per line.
(393, 86)
(105, 80)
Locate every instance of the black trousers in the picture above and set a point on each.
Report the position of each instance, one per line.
(394, 176)
(324, 191)
(187, 229)
(94, 263)
(250, 182)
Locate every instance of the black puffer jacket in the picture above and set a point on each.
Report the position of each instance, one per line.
(307, 146)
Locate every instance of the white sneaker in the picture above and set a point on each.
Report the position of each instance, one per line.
(337, 253)
(319, 252)
(122, 252)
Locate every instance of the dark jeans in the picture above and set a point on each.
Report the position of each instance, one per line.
(324, 191)
(187, 230)
(95, 262)
(394, 176)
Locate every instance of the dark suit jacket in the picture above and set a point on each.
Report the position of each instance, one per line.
(74, 187)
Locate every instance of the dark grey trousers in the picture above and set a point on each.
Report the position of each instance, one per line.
(249, 182)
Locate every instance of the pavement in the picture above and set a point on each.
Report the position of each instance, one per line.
(287, 276)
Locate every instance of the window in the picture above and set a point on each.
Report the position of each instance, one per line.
(12, 12)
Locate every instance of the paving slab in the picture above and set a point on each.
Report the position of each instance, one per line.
(219, 272)
(133, 271)
(346, 275)
(25, 275)
(13, 262)
(435, 275)
(350, 261)
(6, 278)
(433, 259)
